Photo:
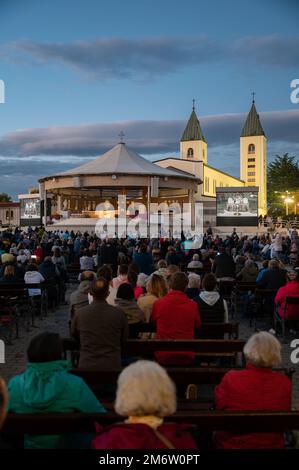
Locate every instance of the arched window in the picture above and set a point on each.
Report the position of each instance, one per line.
(190, 153)
(251, 148)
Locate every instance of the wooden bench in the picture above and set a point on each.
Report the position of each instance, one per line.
(206, 349)
(97, 380)
(205, 421)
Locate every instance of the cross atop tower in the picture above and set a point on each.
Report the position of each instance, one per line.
(121, 135)
(193, 104)
(253, 95)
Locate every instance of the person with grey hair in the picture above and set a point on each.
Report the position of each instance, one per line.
(195, 263)
(257, 387)
(193, 288)
(145, 396)
(249, 272)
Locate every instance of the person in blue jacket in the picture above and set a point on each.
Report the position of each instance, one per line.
(46, 386)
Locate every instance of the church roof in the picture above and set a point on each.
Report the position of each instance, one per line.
(121, 160)
(252, 124)
(193, 130)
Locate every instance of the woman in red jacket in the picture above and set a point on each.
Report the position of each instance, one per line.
(145, 394)
(257, 387)
(291, 289)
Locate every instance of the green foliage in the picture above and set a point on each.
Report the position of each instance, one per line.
(5, 197)
(282, 176)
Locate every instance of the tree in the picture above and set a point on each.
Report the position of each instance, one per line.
(282, 176)
(4, 197)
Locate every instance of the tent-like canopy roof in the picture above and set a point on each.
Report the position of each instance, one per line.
(121, 160)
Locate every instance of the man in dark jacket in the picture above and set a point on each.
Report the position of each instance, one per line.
(101, 330)
(274, 278)
(224, 265)
(107, 254)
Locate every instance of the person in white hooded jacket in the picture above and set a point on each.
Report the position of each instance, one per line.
(212, 307)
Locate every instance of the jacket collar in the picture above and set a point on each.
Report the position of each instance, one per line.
(251, 366)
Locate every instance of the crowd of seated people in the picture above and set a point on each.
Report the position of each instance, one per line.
(145, 396)
(125, 285)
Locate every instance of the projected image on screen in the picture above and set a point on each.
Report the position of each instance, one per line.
(237, 206)
(30, 208)
(231, 204)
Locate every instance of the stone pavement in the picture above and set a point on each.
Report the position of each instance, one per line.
(58, 322)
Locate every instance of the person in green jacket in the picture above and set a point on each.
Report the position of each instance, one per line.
(47, 387)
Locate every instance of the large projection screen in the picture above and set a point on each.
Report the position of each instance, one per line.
(30, 211)
(237, 206)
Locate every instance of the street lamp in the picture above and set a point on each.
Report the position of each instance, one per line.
(287, 201)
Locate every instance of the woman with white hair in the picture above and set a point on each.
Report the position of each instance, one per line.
(145, 396)
(257, 387)
(193, 288)
(195, 263)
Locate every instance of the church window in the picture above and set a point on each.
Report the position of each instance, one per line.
(251, 166)
(203, 153)
(190, 152)
(251, 159)
(251, 148)
(251, 173)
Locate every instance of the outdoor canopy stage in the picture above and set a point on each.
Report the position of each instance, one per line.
(82, 195)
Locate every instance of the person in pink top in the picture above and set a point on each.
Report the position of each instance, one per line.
(121, 277)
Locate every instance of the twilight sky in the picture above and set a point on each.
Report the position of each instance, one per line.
(78, 72)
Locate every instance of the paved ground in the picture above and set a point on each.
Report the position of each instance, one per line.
(58, 322)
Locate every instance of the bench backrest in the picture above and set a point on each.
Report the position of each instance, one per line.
(59, 423)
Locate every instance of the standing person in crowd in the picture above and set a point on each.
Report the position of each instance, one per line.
(126, 302)
(156, 288)
(224, 266)
(145, 395)
(276, 247)
(257, 387)
(33, 276)
(144, 260)
(176, 317)
(108, 254)
(212, 307)
(171, 256)
(47, 387)
(86, 261)
(101, 330)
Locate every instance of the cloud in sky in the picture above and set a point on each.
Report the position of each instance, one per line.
(142, 59)
(119, 58)
(147, 137)
(26, 155)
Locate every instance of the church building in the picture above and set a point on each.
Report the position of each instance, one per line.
(193, 159)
